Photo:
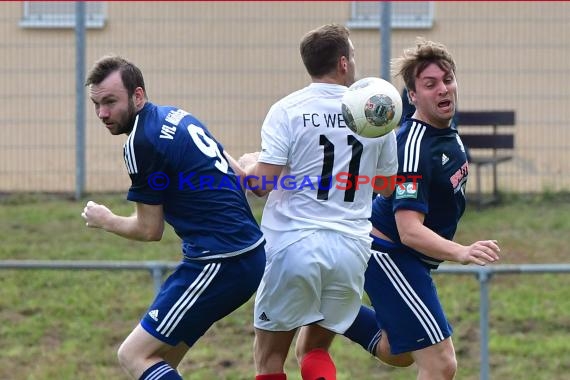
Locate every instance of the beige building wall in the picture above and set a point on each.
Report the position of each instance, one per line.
(228, 62)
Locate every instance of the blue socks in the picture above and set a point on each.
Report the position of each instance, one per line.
(365, 330)
(160, 371)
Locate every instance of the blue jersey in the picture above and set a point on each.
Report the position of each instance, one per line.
(174, 161)
(432, 170)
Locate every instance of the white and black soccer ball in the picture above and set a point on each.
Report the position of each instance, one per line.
(372, 107)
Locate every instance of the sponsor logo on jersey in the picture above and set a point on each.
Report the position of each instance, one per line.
(407, 190)
(460, 176)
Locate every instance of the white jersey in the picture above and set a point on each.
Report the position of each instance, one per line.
(306, 133)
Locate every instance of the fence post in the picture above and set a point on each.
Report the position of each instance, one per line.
(157, 272)
(80, 48)
(484, 275)
(385, 38)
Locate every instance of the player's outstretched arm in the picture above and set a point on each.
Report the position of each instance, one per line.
(414, 234)
(146, 224)
(260, 176)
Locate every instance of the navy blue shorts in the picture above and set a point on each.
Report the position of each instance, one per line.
(199, 293)
(405, 299)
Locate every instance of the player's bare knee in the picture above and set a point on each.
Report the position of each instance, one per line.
(444, 368)
(448, 363)
(450, 367)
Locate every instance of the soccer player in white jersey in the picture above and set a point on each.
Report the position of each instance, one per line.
(315, 223)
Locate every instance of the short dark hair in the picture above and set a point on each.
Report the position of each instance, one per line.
(130, 74)
(321, 48)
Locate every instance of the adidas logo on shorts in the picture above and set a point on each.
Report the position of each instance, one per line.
(264, 317)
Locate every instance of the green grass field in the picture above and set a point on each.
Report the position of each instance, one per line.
(68, 324)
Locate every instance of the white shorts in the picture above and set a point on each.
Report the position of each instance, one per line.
(319, 278)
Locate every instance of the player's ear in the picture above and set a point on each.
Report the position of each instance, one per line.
(412, 96)
(140, 96)
(343, 64)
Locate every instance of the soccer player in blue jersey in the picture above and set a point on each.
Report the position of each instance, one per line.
(181, 176)
(413, 229)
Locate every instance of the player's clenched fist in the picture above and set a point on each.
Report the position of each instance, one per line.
(248, 159)
(95, 214)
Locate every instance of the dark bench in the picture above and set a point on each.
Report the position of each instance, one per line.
(491, 143)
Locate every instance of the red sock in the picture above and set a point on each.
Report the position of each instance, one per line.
(318, 365)
(271, 376)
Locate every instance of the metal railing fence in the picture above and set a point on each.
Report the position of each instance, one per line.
(158, 269)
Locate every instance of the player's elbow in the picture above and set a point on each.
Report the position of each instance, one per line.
(154, 237)
(152, 233)
(408, 238)
(407, 233)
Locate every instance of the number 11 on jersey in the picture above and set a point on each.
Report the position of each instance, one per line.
(325, 183)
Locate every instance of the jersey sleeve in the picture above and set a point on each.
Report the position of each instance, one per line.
(148, 174)
(413, 179)
(275, 137)
(388, 159)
